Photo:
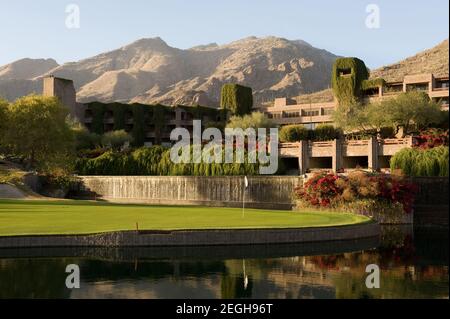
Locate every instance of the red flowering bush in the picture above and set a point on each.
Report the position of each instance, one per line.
(431, 138)
(320, 190)
(395, 189)
(356, 191)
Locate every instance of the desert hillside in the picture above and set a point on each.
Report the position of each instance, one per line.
(150, 71)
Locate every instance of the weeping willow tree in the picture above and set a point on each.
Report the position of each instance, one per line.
(419, 162)
(156, 161)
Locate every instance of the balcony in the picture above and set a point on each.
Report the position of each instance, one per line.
(386, 147)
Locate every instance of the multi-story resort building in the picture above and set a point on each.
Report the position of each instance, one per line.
(285, 111)
(148, 124)
(152, 124)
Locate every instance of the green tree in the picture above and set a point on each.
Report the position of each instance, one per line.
(255, 120)
(411, 111)
(408, 111)
(39, 133)
(3, 120)
(116, 139)
(236, 98)
(84, 139)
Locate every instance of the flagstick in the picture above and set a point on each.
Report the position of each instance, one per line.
(243, 204)
(243, 196)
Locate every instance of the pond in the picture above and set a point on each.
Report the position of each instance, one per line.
(413, 263)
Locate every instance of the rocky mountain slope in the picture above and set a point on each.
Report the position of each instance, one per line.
(150, 71)
(434, 60)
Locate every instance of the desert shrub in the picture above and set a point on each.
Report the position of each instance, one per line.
(254, 120)
(294, 133)
(356, 191)
(375, 207)
(63, 182)
(115, 139)
(85, 140)
(421, 162)
(11, 176)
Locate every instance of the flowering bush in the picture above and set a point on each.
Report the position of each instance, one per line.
(431, 138)
(320, 190)
(358, 191)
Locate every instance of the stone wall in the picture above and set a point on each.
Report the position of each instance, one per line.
(262, 192)
(431, 205)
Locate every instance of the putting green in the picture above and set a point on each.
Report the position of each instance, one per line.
(36, 217)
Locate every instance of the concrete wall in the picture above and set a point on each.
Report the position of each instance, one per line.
(262, 192)
(64, 90)
(431, 206)
(198, 238)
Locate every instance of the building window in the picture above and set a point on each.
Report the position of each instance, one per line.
(442, 84)
(310, 112)
(372, 92)
(417, 87)
(328, 111)
(274, 115)
(393, 88)
(344, 72)
(291, 114)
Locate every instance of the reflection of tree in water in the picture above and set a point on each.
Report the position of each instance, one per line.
(99, 270)
(28, 278)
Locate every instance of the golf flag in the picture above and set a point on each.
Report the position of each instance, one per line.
(245, 181)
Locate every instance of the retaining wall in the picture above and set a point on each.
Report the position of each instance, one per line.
(274, 192)
(197, 237)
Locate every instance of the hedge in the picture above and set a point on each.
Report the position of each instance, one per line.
(296, 133)
(421, 162)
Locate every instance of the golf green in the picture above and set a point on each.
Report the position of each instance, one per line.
(38, 217)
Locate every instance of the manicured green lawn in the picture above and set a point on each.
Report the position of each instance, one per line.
(33, 217)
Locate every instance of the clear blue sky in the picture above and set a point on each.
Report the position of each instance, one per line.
(37, 29)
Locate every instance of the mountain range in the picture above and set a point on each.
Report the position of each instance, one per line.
(150, 71)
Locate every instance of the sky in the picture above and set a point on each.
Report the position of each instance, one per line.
(38, 29)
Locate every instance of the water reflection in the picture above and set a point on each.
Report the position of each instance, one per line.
(414, 264)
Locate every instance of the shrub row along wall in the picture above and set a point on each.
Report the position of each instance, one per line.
(263, 192)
